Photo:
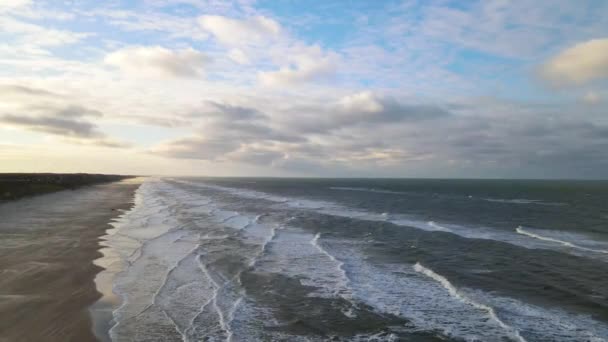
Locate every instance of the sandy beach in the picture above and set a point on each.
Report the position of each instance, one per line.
(47, 247)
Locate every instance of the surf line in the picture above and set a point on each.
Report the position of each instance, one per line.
(216, 289)
(522, 231)
(458, 295)
(340, 265)
(225, 318)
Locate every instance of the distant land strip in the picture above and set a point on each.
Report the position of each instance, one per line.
(18, 185)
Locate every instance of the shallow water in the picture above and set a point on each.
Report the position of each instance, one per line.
(360, 260)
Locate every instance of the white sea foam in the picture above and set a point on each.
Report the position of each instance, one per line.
(342, 289)
(521, 201)
(431, 303)
(378, 337)
(158, 288)
(462, 297)
(299, 254)
(164, 289)
(379, 191)
(214, 300)
(545, 324)
(185, 289)
(334, 209)
(488, 199)
(324, 207)
(238, 222)
(176, 283)
(536, 234)
(159, 257)
(439, 227)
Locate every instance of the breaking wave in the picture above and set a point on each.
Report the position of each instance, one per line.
(183, 252)
(462, 297)
(537, 235)
(334, 209)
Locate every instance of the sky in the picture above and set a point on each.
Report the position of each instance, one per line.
(319, 88)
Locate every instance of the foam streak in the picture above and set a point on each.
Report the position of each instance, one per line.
(457, 294)
(340, 265)
(522, 231)
(216, 290)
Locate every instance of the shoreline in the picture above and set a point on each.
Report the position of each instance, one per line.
(48, 244)
(14, 186)
(112, 263)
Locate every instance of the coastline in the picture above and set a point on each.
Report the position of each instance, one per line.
(112, 263)
(48, 244)
(14, 186)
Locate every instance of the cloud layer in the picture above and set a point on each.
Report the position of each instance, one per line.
(362, 130)
(408, 88)
(42, 111)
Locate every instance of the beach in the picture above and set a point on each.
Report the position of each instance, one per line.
(47, 247)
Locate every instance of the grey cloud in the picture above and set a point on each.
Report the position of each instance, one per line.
(64, 111)
(229, 112)
(197, 148)
(306, 166)
(221, 139)
(44, 111)
(28, 91)
(73, 111)
(397, 112)
(584, 161)
(246, 134)
(70, 122)
(393, 138)
(105, 142)
(53, 125)
(599, 132)
(159, 121)
(257, 157)
(230, 129)
(335, 117)
(530, 145)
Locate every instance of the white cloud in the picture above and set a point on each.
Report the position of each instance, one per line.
(35, 35)
(238, 56)
(9, 5)
(240, 32)
(157, 61)
(592, 97)
(163, 23)
(364, 101)
(519, 29)
(306, 64)
(579, 64)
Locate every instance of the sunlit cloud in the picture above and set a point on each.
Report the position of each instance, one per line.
(158, 61)
(578, 64)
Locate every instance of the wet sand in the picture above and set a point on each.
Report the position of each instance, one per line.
(47, 247)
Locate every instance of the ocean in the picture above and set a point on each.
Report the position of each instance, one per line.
(261, 259)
